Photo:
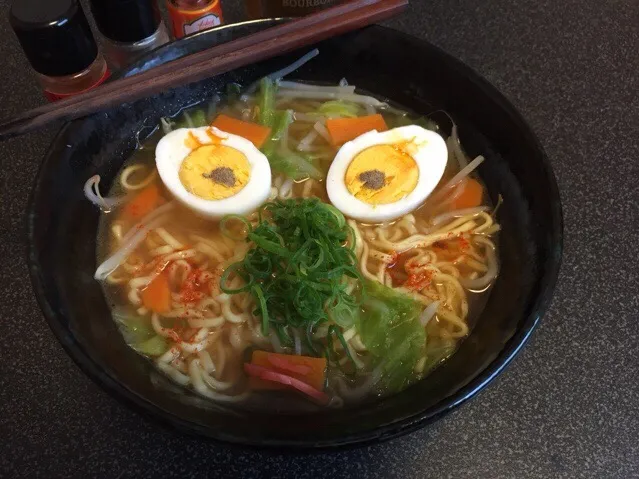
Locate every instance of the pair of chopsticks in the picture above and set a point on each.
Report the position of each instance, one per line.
(268, 43)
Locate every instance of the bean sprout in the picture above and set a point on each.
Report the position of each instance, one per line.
(92, 193)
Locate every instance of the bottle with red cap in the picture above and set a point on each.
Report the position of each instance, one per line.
(192, 16)
(58, 42)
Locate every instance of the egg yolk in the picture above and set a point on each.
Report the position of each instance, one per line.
(215, 171)
(382, 174)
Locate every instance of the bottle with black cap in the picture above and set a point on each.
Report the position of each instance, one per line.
(58, 42)
(129, 27)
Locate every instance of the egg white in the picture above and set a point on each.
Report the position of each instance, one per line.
(172, 150)
(430, 156)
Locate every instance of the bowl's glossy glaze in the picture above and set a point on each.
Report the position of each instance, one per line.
(62, 229)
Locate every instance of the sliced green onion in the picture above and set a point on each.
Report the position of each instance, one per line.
(335, 330)
(225, 231)
(269, 246)
(257, 291)
(296, 267)
(235, 267)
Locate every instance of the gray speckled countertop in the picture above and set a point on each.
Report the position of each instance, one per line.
(568, 406)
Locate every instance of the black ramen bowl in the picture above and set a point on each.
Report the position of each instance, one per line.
(62, 229)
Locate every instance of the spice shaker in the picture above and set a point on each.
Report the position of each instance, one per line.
(57, 41)
(192, 16)
(129, 28)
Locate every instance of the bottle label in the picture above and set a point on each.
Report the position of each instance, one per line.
(51, 96)
(208, 21)
(186, 22)
(305, 3)
(285, 8)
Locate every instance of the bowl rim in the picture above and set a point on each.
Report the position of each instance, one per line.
(547, 279)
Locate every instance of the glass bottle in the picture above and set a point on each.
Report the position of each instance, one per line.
(58, 42)
(192, 16)
(129, 29)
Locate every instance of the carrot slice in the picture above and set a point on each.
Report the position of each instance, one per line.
(157, 295)
(310, 370)
(143, 203)
(286, 365)
(346, 129)
(256, 134)
(470, 197)
(285, 380)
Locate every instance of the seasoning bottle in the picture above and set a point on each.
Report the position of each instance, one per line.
(285, 8)
(58, 42)
(192, 16)
(130, 28)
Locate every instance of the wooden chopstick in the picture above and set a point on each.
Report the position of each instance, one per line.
(266, 44)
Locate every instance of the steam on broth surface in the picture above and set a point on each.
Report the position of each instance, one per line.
(240, 296)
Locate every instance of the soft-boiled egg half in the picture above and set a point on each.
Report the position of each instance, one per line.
(213, 172)
(380, 176)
